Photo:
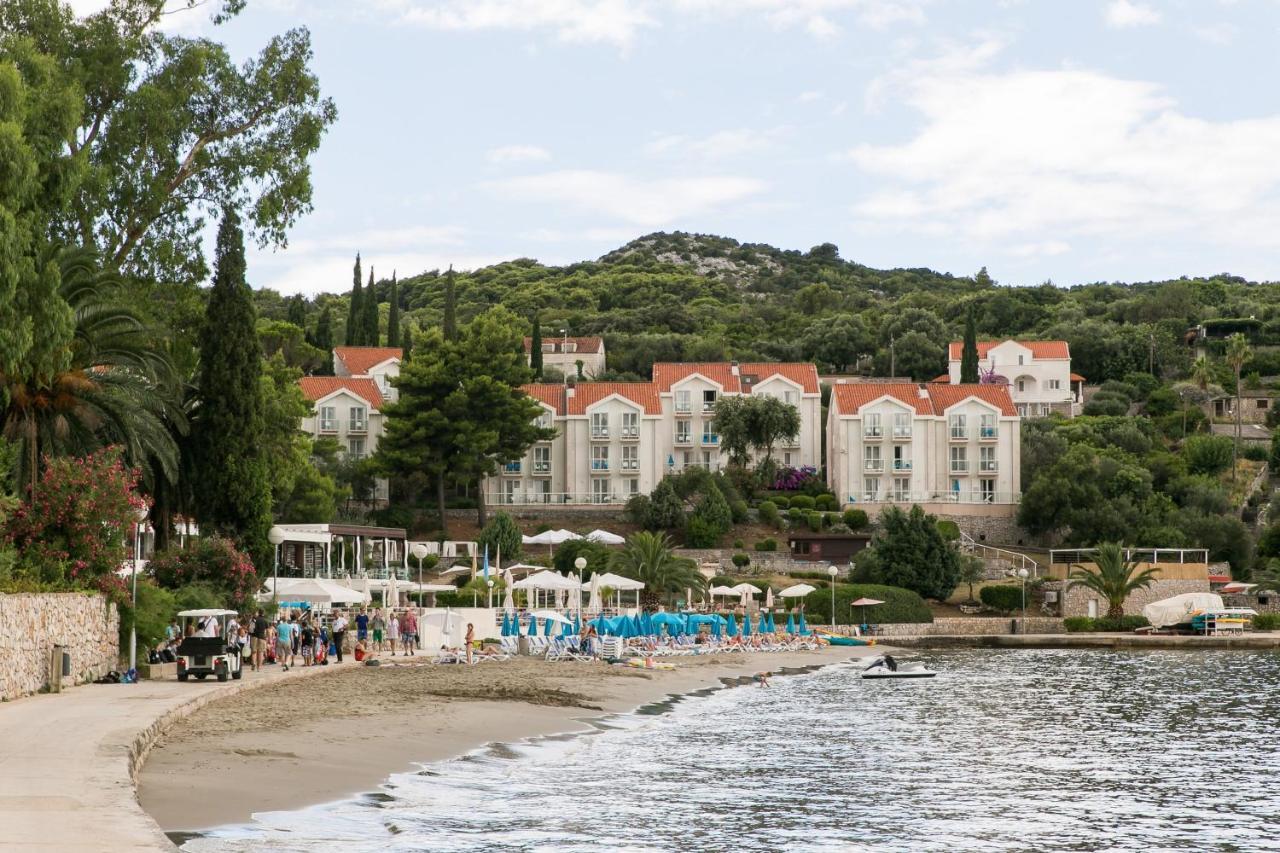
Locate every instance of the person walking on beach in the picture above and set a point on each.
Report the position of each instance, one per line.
(762, 678)
(259, 643)
(284, 643)
(307, 642)
(470, 640)
(393, 632)
(409, 631)
(362, 625)
(379, 626)
(339, 634)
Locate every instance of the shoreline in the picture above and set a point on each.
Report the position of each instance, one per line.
(1083, 640)
(290, 746)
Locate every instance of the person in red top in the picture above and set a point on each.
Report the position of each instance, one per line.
(409, 630)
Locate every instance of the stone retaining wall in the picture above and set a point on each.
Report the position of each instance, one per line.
(1075, 600)
(30, 626)
(977, 626)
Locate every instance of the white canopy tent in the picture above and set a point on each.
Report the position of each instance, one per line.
(619, 584)
(314, 591)
(546, 581)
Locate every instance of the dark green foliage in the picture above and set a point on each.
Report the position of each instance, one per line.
(769, 544)
(1006, 598)
(813, 518)
(949, 529)
(969, 352)
(1116, 386)
(1142, 383)
(406, 341)
(900, 605)
(535, 349)
(1266, 622)
(369, 315)
(781, 501)
(855, 519)
(1108, 624)
(740, 511)
(1162, 401)
(825, 503)
(324, 341)
(910, 552)
(233, 495)
(450, 324)
(710, 520)
(802, 502)
(597, 557)
(1106, 406)
(298, 311)
(768, 513)
(502, 536)
(156, 606)
(741, 560)
(355, 309)
(393, 313)
(1207, 454)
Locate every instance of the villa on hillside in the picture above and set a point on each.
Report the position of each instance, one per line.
(1037, 373)
(934, 444)
(565, 354)
(618, 439)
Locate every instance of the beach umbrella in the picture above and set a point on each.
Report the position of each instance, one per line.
(533, 627)
(732, 627)
(746, 625)
(547, 628)
(762, 626)
(768, 598)
(577, 623)
(509, 600)
(800, 590)
(772, 627)
(647, 621)
(801, 628)
(604, 537)
(715, 628)
(864, 603)
(637, 625)
(506, 626)
(594, 604)
(791, 623)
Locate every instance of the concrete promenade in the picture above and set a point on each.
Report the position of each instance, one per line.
(68, 760)
(1252, 640)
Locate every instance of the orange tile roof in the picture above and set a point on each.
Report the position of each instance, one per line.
(668, 373)
(591, 343)
(1039, 349)
(317, 387)
(802, 373)
(946, 377)
(853, 396)
(644, 394)
(946, 396)
(551, 393)
(359, 360)
(1076, 377)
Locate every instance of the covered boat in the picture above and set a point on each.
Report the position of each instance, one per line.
(1180, 609)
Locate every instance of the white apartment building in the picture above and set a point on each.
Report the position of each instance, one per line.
(378, 363)
(618, 439)
(563, 353)
(1038, 374)
(927, 444)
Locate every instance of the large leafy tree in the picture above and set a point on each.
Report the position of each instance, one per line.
(168, 130)
(1238, 355)
(909, 551)
(535, 349)
(324, 342)
(450, 322)
(229, 436)
(648, 557)
(838, 343)
(754, 422)
(1112, 576)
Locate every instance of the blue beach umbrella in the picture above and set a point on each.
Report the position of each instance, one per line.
(791, 623)
(731, 628)
(577, 624)
(647, 622)
(506, 625)
(762, 626)
(715, 627)
(772, 627)
(802, 628)
(548, 627)
(637, 625)
(746, 626)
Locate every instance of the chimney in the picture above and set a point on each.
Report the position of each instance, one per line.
(733, 368)
(568, 392)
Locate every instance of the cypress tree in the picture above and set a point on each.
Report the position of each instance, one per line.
(535, 349)
(324, 341)
(450, 325)
(231, 485)
(393, 313)
(353, 312)
(406, 341)
(969, 351)
(369, 315)
(298, 311)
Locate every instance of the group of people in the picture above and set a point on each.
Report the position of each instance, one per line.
(397, 632)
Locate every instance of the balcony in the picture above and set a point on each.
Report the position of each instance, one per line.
(708, 406)
(511, 468)
(988, 465)
(542, 469)
(872, 465)
(902, 433)
(710, 438)
(959, 434)
(683, 408)
(959, 466)
(988, 434)
(630, 464)
(684, 438)
(328, 425)
(599, 433)
(599, 464)
(357, 426)
(872, 433)
(630, 433)
(902, 464)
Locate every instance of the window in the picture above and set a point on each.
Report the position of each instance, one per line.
(355, 448)
(708, 435)
(682, 401)
(955, 489)
(901, 457)
(789, 397)
(682, 432)
(630, 458)
(544, 420)
(599, 490)
(599, 424)
(1020, 359)
(548, 347)
(359, 420)
(687, 459)
(902, 488)
(542, 488)
(871, 488)
(959, 429)
(570, 346)
(708, 401)
(542, 460)
(959, 460)
(871, 425)
(509, 488)
(1022, 385)
(633, 486)
(513, 467)
(988, 490)
(871, 458)
(987, 459)
(902, 425)
(987, 427)
(328, 419)
(786, 459)
(707, 460)
(1054, 384)
(1262, 404)
(600, 457)
(630, 424)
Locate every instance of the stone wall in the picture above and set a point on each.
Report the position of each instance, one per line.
(999, 530)
(1075, 601)
(762, 562)
(977, 626)
(30, 626)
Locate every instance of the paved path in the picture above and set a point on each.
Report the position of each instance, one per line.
(66, 760)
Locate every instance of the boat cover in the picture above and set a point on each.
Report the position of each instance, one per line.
(1179, 609)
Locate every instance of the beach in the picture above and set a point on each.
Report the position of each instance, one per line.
(308, 741)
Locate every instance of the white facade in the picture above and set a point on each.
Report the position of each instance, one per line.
(907, 443)
(1038, 373)
(564, 353)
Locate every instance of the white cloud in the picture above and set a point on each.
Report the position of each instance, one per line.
(518, 154)
(717, 146)
(1121, 14)
(650, 203)
(615, 21)
(815, 16)
(1042, 155)
(371, 241)
(1046, 248)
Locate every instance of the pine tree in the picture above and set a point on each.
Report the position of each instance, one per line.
(324, 341)
(406, 341)
(369, 312)
(450, 325)
(230, 481)
(298, 311)
(535, 349)
(969, 351)
(353, 337)
(393, 313)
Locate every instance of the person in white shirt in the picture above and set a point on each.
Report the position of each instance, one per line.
(393, 632)
(339, 633)
(209, 628)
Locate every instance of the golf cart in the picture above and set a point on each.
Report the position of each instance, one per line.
(203, 656)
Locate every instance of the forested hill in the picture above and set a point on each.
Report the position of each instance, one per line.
(697, 297)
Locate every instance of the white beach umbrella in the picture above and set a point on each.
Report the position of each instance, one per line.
(595, 605)
(508, 600)
(604, 537)
(552, 615)
(768, 598)
(522, 568)
(317, 591)
(800, 590)
(393, 591)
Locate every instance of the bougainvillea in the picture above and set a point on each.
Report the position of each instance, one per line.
(212, 562)
(77, 530)
(794, 479)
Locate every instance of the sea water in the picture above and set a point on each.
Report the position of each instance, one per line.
(1004, 750)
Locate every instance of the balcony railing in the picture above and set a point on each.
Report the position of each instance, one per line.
(708, 406)
(598, 432)
(630, 432)
(988, 434)
(328, 425)
(357, 426)
(872, 465)
(684, 438)
(902, 464)
(901, 432)
(683, 408)
(630, 464)
(959, 434)
(964, 496)
(512, 468)
(542, 467)
(599, 464)
(710, 438)
(872, 432)
(988, 465)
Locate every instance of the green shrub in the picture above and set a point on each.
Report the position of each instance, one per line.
(802, 502)
(701, 533)
(814, 519)
(393, 516)
(825, 502)
(796, 515)
(855, 519)
(1124, 389)
(737, 543)
(781, 501)
(156, 606)
(741, 560)
(1079, 624)
(1003, 597)
(739, 511)
(1266, 622)
(1143, 383)
(830, 518)
(211, 562)
(949, 529)
(1076, 624)
(1207, 454)
(767, 545)
(1253, 451)
(768, 513)
(900, 605)
(1106, 407)
(566, 554)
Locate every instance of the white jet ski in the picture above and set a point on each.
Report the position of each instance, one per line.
(885, 666)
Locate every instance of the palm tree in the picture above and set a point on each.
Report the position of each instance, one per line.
(1202, 373)
(1114, 577)
(1238, 353)
(648, 557)
(114, 390)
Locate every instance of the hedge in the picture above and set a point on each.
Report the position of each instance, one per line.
(825, 502)
(1004, 597)
(1266, 622)
(802, 502)
(1077, 624)
(768, 513)
(855, 519)
(767, 545)
(900, 605)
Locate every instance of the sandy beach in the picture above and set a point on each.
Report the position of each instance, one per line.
(299, 743)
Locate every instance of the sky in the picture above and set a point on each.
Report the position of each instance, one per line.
(1049, 140)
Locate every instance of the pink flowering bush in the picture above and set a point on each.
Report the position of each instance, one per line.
(794, 479)
(77, 529)
(210, 562)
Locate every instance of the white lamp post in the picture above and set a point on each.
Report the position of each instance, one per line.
(489, 583)
(1022, 576)
(276, 537)
(833, 571)
(580, 563)
(419, 551)
(142, 513)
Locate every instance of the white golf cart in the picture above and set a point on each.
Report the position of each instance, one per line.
(202, 655)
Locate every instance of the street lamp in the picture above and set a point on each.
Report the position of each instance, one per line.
(1022, 576)
(833, 571)
(142, 513)
(419, 550)
(580, 563)
(489, 583)
(276, 537)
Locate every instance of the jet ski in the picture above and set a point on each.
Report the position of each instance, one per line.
(886, 666)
